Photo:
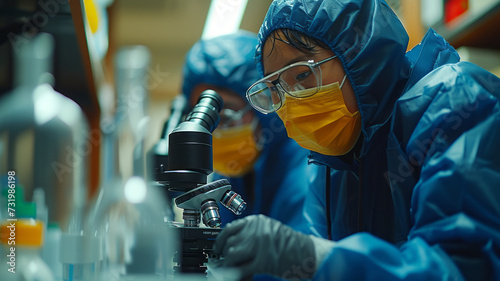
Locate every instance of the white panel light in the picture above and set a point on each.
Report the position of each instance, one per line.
(224, 17)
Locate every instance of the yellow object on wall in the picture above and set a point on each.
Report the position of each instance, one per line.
(92, 15)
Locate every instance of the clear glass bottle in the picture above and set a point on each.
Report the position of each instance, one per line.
(44, 135)
(131, 218)
(44, 138)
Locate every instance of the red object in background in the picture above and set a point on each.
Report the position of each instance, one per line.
(454, 8)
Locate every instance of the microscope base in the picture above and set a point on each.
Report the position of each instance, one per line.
(197, 245)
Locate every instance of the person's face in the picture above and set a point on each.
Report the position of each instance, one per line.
(278, 54)
(232, 101)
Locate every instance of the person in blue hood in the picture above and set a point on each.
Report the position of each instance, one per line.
(407, 181)
(252, 150)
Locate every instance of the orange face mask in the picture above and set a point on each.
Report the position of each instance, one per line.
(321, 122)
(235, 150)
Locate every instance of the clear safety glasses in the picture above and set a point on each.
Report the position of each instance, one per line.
(267, 94)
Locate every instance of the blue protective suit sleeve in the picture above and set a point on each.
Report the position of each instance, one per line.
(455, 203)
(365, 257)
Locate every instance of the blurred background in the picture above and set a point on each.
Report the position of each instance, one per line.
(89, 33)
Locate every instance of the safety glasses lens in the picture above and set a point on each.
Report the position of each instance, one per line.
(299, 81)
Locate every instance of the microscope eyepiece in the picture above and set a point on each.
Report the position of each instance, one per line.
(206, 111)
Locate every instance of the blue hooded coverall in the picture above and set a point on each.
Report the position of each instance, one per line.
(421, 201)
(279, 178)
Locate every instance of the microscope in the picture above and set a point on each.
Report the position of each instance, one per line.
(186, 171)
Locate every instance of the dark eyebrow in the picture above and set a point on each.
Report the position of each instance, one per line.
(303, 57)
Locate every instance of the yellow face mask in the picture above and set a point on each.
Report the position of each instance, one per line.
(235, 150)
(321, 122)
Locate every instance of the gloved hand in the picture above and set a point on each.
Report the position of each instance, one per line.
(261, 245)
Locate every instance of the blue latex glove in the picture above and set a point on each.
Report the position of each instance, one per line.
(260, 245)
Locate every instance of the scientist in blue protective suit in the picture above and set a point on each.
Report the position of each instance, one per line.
(251, 149)
(406, 143)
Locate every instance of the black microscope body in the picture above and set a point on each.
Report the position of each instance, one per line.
(189, 163)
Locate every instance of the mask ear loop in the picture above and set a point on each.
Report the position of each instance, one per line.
(343, 81)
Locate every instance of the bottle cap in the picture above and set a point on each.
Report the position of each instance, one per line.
(25, 232)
